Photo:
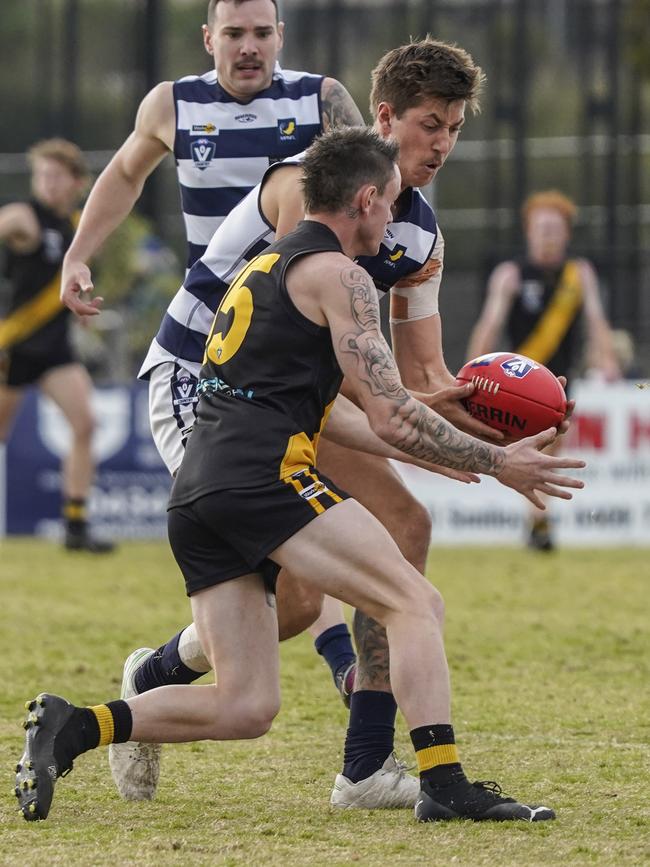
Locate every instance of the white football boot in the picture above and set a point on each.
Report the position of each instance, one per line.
(135, 767)
(388, 788)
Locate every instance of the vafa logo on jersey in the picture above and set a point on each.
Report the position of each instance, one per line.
(519, 367)
(202, 152)
(287, 129)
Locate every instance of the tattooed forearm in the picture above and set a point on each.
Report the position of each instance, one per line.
(412, 427)
(372, 653)
(423, 434)
(338, 106)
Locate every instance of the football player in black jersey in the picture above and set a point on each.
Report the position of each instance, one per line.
(35, 345)
(249, 500)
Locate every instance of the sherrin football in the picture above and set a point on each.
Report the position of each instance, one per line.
(513, 394)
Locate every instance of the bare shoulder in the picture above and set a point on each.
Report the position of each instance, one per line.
(283, 179)
(156, 115)
(338, 107)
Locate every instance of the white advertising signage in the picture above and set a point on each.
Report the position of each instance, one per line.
(611, 431)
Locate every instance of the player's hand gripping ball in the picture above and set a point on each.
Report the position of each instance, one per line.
(513, 394)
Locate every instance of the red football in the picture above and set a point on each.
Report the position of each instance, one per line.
(513, 394)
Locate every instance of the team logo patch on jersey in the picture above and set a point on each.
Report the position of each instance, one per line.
(287, 129)
(518, 367)
(184, 390)
(247, 117)
(532, 294)
(208, 128)
(52, 245)
(202, 152)
(393, 258)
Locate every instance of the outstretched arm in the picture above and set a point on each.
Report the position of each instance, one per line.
(115, 193)
(348, 426)
(501, 289)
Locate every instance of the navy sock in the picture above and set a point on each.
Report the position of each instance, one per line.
(335, 646)
(371, 733)
(164, 667)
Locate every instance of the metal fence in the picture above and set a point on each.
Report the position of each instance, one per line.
(566, 105)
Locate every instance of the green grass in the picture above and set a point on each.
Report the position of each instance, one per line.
(549, 659)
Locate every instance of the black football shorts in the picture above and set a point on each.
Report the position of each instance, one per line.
(227, 534)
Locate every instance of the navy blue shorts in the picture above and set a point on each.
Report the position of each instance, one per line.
(227, 534)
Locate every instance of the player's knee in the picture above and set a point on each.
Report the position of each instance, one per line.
(421, 598)
(415, 531)
(256, 716)
(83, 426)
(299, 615)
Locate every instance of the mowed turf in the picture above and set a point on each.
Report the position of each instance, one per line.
(549, 657)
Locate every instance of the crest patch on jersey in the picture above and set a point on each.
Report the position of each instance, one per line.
(52, 245)
(202, 152)
(247, 117)
(287, 129)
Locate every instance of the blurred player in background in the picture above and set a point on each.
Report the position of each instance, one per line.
(224, 129)
(543, 305)
(248, 500)
(35, 346)
(419, 96)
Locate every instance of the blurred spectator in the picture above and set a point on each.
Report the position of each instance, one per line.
(537, 304)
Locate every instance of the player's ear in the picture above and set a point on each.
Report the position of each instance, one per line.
(207, 39)
(280, 34)
(385, 116)
(367, 196)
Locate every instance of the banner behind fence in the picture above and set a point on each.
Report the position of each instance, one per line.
(611, 431)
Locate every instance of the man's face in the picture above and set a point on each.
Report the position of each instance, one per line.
(426, 134)
(379, 215)
(547, 236)
(55, 186)
(245, 40)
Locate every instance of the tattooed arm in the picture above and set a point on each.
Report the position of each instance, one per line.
(350, 306)
(338, 107)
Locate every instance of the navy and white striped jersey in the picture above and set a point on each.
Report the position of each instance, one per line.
(408, 244)
(223, 147)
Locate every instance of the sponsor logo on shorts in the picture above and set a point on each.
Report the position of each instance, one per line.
(314, 490)
(519, 367)
(287, 129)
(202, 152)
(247, 117)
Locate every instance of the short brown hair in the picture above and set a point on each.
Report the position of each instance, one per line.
(406, 76)
(212, 7)
(549, 199)
(341, 161)
(64, 152)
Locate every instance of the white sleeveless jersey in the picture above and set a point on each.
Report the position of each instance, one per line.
(223, 147)
(410, 241)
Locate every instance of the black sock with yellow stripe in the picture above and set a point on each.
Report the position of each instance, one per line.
(437, 757)
(91, 727)
(74, 514)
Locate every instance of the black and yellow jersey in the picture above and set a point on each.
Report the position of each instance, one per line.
(35, 318)
(544, 319)
(268, 379)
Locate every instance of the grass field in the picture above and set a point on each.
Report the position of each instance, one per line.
(549, 658)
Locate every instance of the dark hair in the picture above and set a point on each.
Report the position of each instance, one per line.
(339, 162)
(406, 76)
(212, 6)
